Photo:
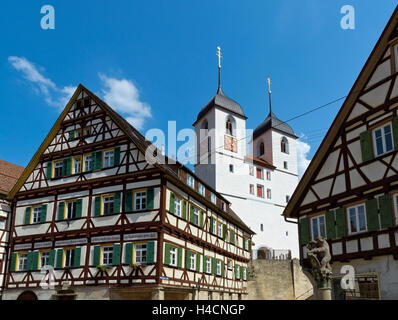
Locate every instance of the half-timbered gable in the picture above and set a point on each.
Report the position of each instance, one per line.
(92, 208)
(348, 193)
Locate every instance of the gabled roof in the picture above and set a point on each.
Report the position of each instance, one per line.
(9, 174)
(137, 138)
(221, 101)
(272, 122)
(332, 135)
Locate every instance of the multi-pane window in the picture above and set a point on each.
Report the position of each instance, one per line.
(383, 139)
(260, 191)
(69, 257)
(140, 200)
(2, 224)
(108, 159)
(268, 193)
(251, 170)
(107, 255)
(218, 267)
(36, 215)
(177, 207)
(44, 259)
(213, 198)
(76, 165)
(208, 265)
(251, 189)
(192, 261)
(259, 173)
(201, 189)
(196, 215)
(214, 226)
(88, 163)
(22, 261)
(108, 205)
(190, 181)
(140, 253)
(318, 227)
(71, 210)
(357, 219)
(219, 229)
(268, 175)
(58, 169)
(173, 256)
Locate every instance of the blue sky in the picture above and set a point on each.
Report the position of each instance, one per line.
(155, 61)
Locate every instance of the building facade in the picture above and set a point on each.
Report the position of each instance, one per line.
(96, 217)
(349, 192)
(258, 183)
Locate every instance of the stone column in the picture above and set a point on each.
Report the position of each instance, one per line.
(324, 289)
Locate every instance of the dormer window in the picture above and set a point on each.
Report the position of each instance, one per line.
(261, 149)
(284, 145)
(190, 181)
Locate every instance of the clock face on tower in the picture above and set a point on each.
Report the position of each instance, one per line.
(230, 143)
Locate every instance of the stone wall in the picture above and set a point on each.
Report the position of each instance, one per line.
(278, 280)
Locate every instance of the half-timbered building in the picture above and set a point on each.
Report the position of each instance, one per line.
(349, 193)
(9, 174)
(95, 217)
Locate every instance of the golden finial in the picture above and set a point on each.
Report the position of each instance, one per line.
(219, 57)
(269, 85)
(269, 94)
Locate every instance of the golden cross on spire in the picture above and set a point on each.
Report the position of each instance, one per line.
(269, 85)
(219, 57)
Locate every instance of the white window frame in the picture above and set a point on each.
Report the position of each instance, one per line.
(77, 165)
(268, 175)
(237, 272)
(269, 194)
(36, 212)
(108, 159)
(201, 189)
(383, 139)
(2, 224)
(173, 256)
(219, 229)
(88, 162)
(251, 170)
(140, 196)
(218, 268)
(214, 227)
(244, 273)
(107, 255)
(262, 173)
(356, 218)
(213, 198)
(58, 165)
(70, 215)
(196, 216)
(318, 225)
(69, 255)
(178, 207)
(192, 261)
(208, 265)
(190, 181)
(44, 258)
(106, 200)
(22, 261)
(140, 253)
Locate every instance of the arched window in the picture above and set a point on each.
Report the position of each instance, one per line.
(284, 145)
(230, 126)
(261, 149)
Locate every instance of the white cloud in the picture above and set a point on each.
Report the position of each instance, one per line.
(303, 149)
(123, 96)
(54, 96)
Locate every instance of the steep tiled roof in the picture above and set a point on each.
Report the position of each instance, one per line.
(9, 174)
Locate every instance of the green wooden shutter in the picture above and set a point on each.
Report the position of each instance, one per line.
(60, 258)
(150, 195)
(184, 209)
(386, 216)
(51, 258)
(236, 271)
(204, 263)
(241, 272)
(43, 213)
(372, 216)
(76, 257)
(79, 206)
(191, 215)
(201, 218)
(341, 223)
(97, 255)
(116, 156)
(128, 257)
(172, 204)
(179, 257)
(214, 265)
(28, 212)
(98, 159)
(187, 259)
(330, 226)
(13, 265)
(232, 236)
(71, 134)
(128, 201)
(250, 244)
(304, 231)
(35, 260)
(222, 268)
(198, 262)
(97, 206)
(65, 167)
(150, 252)
(395, 131)
(116, 202)
(116, 254)
(166, 253)
(211, 225)
(29, 261)
(366, 146)
(49, 170)
(224, 231)
(61, 211)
